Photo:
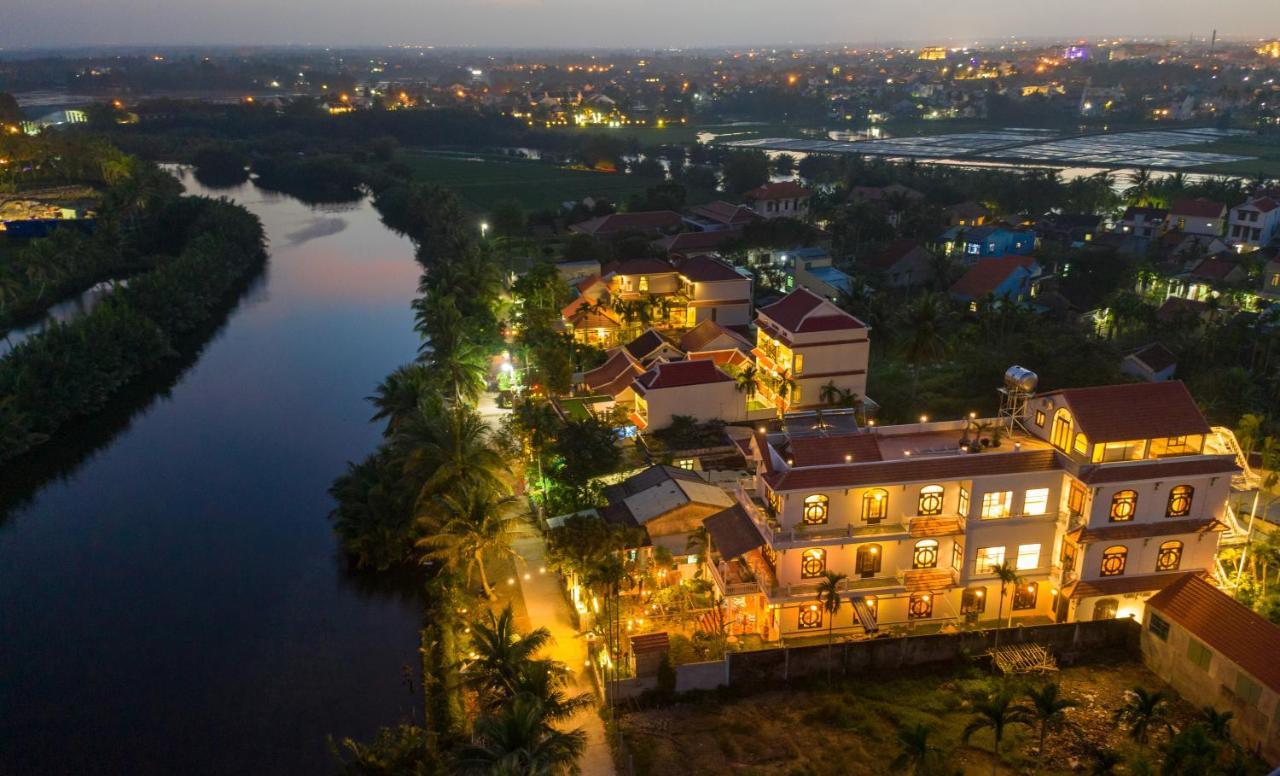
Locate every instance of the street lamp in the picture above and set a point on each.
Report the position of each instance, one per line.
(484, 229)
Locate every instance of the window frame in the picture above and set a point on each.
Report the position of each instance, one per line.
(936, 496)
(1121, 501)
(1169, 556)
(924, 554)
(1181, 497)
(973, 600)
(808, 559)
(1017, 564)
(809, 618)
(1158, 626)
(867, 570)
(1005, 503)
(920, 606)
(981, 555)
(1114, 560)
(1042, 502)
(875, 506)
(1198, 654)
(815, 509)
(1025, 596)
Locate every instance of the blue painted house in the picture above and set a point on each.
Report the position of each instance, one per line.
(1015, 278)
(968, 244)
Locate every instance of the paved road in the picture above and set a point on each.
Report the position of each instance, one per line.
(548, 609)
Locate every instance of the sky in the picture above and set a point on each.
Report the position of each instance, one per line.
(578, 24)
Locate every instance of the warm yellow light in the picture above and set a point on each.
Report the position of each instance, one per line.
(981, 593)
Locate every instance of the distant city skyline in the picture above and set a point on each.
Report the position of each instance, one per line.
(570, 24)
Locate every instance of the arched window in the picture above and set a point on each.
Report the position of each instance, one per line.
(930, 500)
(973, 601)
(1113, 560)
(1179, 501)
(810, 617)
(813, 563)
(875, 505)
(1060, 437)
(926, 554)
(920, 606)
(1105, 609)
(1123, 504)
(868, 560)
(1024, 596)
(815, 509)
(1170, 557)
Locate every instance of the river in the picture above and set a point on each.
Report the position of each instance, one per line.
(172, 602)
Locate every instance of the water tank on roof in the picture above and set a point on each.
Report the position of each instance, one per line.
(1021, 380)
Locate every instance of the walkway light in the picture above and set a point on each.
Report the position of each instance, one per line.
(484, 228)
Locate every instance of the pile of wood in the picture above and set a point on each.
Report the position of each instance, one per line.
(1023, 659)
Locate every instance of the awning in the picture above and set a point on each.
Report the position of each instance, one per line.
(733, 533)
(862, 610)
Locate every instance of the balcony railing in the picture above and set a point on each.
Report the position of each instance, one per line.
(748, 586)
(851, 585)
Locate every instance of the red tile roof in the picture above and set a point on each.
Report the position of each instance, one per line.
(1166, 469)
(705, 333)
(639, 267)
(614, 375)
(1155, 356)
(1175, 307)
(1229, 627)
(731, 357)
(892, 253)
(645, 344)
(645, 221)
(1196, 208)
(1264, 204)
(1214, 269)
(704, 269)
(1126, 531)
(832, 449)
(678, 374)
(784, 190)
(951, 467)
(726, 213)
(595, 318)
(1119, 413)
(1124, 585)
(804, 311)
(691, 242)
(988, 274)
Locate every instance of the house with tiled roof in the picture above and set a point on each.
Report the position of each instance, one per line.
(804, 342)
(710, 335)
(902, 263)
(780, 200)
(643, 222)
(1154, 363)
(697, 388)
(969, 244)
(1098, 497)
(1010, 278)
(967, 213)
(1217, 652)
(651, 346)
(613, 378)
(688, 243)
(720, 215)
(1255, 223)
(1197, 216)
(669, 503)
(1145, 222)
(716, 291)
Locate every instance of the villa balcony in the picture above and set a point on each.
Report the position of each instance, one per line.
(808, 589)
(733, 578)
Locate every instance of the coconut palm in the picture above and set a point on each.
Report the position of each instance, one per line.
(1144, 711)
(502, 657)
(830, 601)
(748, 381)
(915, 753)
(1049, 707)
(397, 397)
(519, 741)
(448, 450)
(997, 712)
(1008, 575)
(1217, 723)
(476, 526)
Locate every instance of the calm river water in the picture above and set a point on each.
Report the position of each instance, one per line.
(173, 602)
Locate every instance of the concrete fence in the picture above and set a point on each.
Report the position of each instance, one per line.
(1068, 642)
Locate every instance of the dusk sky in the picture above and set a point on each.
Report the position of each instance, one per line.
(597, 23)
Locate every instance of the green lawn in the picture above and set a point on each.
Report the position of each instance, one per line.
(1266, 149)
(481, 181)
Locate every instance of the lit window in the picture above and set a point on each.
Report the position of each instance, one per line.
(973, 601)
(930, 500)
(1075, 498)
(644, 283)
(1040, 418)
(875, 505)
(926, 554)
(1169, 557)
(1061, 435)
(774, 503)
(1179, 501)
(813, 563)
(797, 364)
(963, 505)
(810, 618)
(1113, 561)
(815, 510)
(996, 504)
(868, 560)
(1123, 504)
(685, 463)
(1036, 501)
(920, 607)
(957, 554)
(1024, 596)
(988, 558)
(1082, 444)
(1028, 556)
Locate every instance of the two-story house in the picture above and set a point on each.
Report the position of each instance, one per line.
(1197, 216)
(1254, 224)
(780, 200)
(1143, 222)
(715, 291)
(969, 244)
(805, 342)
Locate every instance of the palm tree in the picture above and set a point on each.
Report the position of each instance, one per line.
(1140, 182)
(914, 753)
(831, 602)
(997, 711)
(502, 657)
(747, 381)
(1049, 707)
(397, 397)
(1217, 723)
(449, 451)
(1008, 576)
(519, 741)
(925, 322)
(478, 526)
(1144, 711)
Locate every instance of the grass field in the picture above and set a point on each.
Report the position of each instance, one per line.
(482, 181)
(1266, 149)
(852, 728)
